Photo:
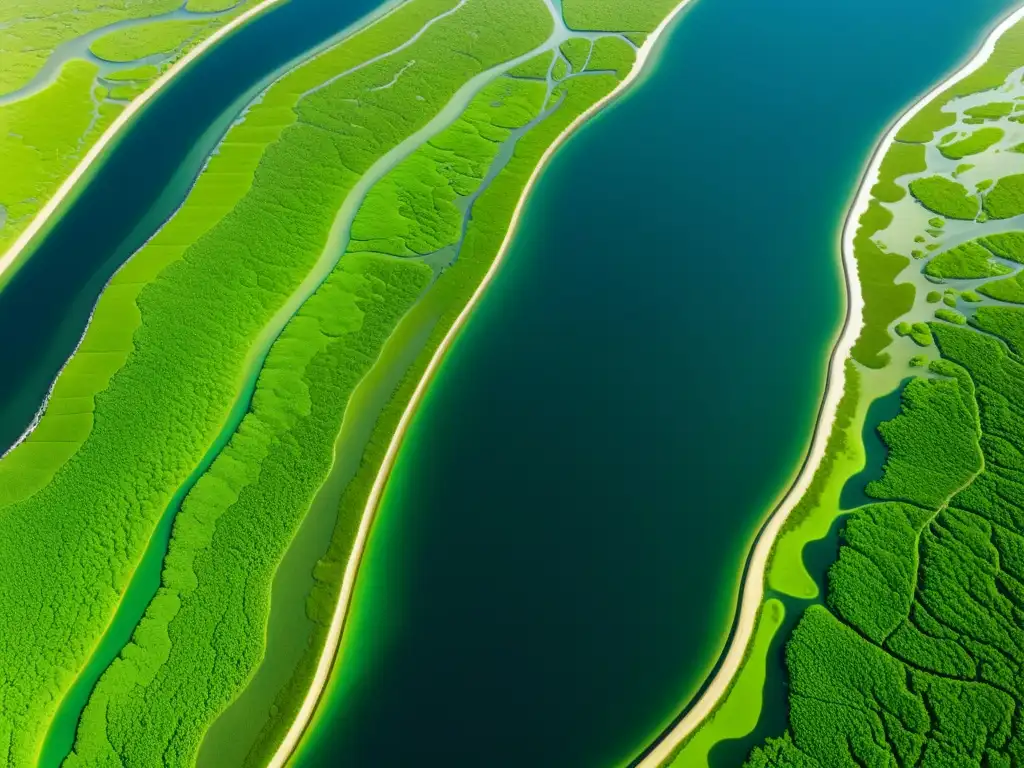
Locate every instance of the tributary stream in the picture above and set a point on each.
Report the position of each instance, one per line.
(553, 571)
(554, 568)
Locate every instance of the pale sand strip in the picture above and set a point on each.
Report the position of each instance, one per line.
(753, 588)
(10, 258)
(293, 736)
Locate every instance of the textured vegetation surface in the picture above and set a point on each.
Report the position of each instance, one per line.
(915, 656)
(973, 144)
(47, 132)
(163, 399)
(145, 40)
(616, 15)
(30, 31)
(213, 380)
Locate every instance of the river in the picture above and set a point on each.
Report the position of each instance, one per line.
(143, 178)
(554, 568)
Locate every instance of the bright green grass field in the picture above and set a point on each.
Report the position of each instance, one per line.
(616, 15)
(37, 151)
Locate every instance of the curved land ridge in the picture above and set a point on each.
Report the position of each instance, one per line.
(235, 524)
(328, 656)
(10, 258)
(753, 588)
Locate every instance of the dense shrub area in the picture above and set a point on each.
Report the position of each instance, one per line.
(1009, 245)
(616, 15)
(1008, 289)
(919, 661)
(198, 319)
(1006, 199)
(945, 197)
(131, 43)
(932, 447)
(611, 54)
(576, 50)
(968, 261)
(916, 657)
(973, 144)
(448, 295)
(884, 299)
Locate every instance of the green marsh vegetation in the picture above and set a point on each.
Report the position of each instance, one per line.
(964, 262)
(30, 31)
(1008, 289)
(210, 6)
(484, 235)
(132, 43)
(1007, 57)
(145, 72)
(993, 111)
(163, 400)
(975, 143)
(536, 68)
(1008, 245)
(560, 70)
(37, 152)
(1006, 199)
(199, 642)
(612, 54)
(884, 299)
(576, 50)
(914, 658)
(951, 316)
(616, 15)
(933, 666)
(946, 197)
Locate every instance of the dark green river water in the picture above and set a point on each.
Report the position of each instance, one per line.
(554, 568)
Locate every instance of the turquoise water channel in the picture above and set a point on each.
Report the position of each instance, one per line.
(554, 568)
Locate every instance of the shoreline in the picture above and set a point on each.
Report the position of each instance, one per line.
(10, 258)
(753, 587)
(289, 744)
(386, 8)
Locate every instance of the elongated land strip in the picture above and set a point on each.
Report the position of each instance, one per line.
(59, 110)
(326, 661)
(251, 369)
(913, 657)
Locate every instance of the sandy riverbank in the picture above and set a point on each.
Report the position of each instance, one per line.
(10, 258)
(752, 594)
(330, 650)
